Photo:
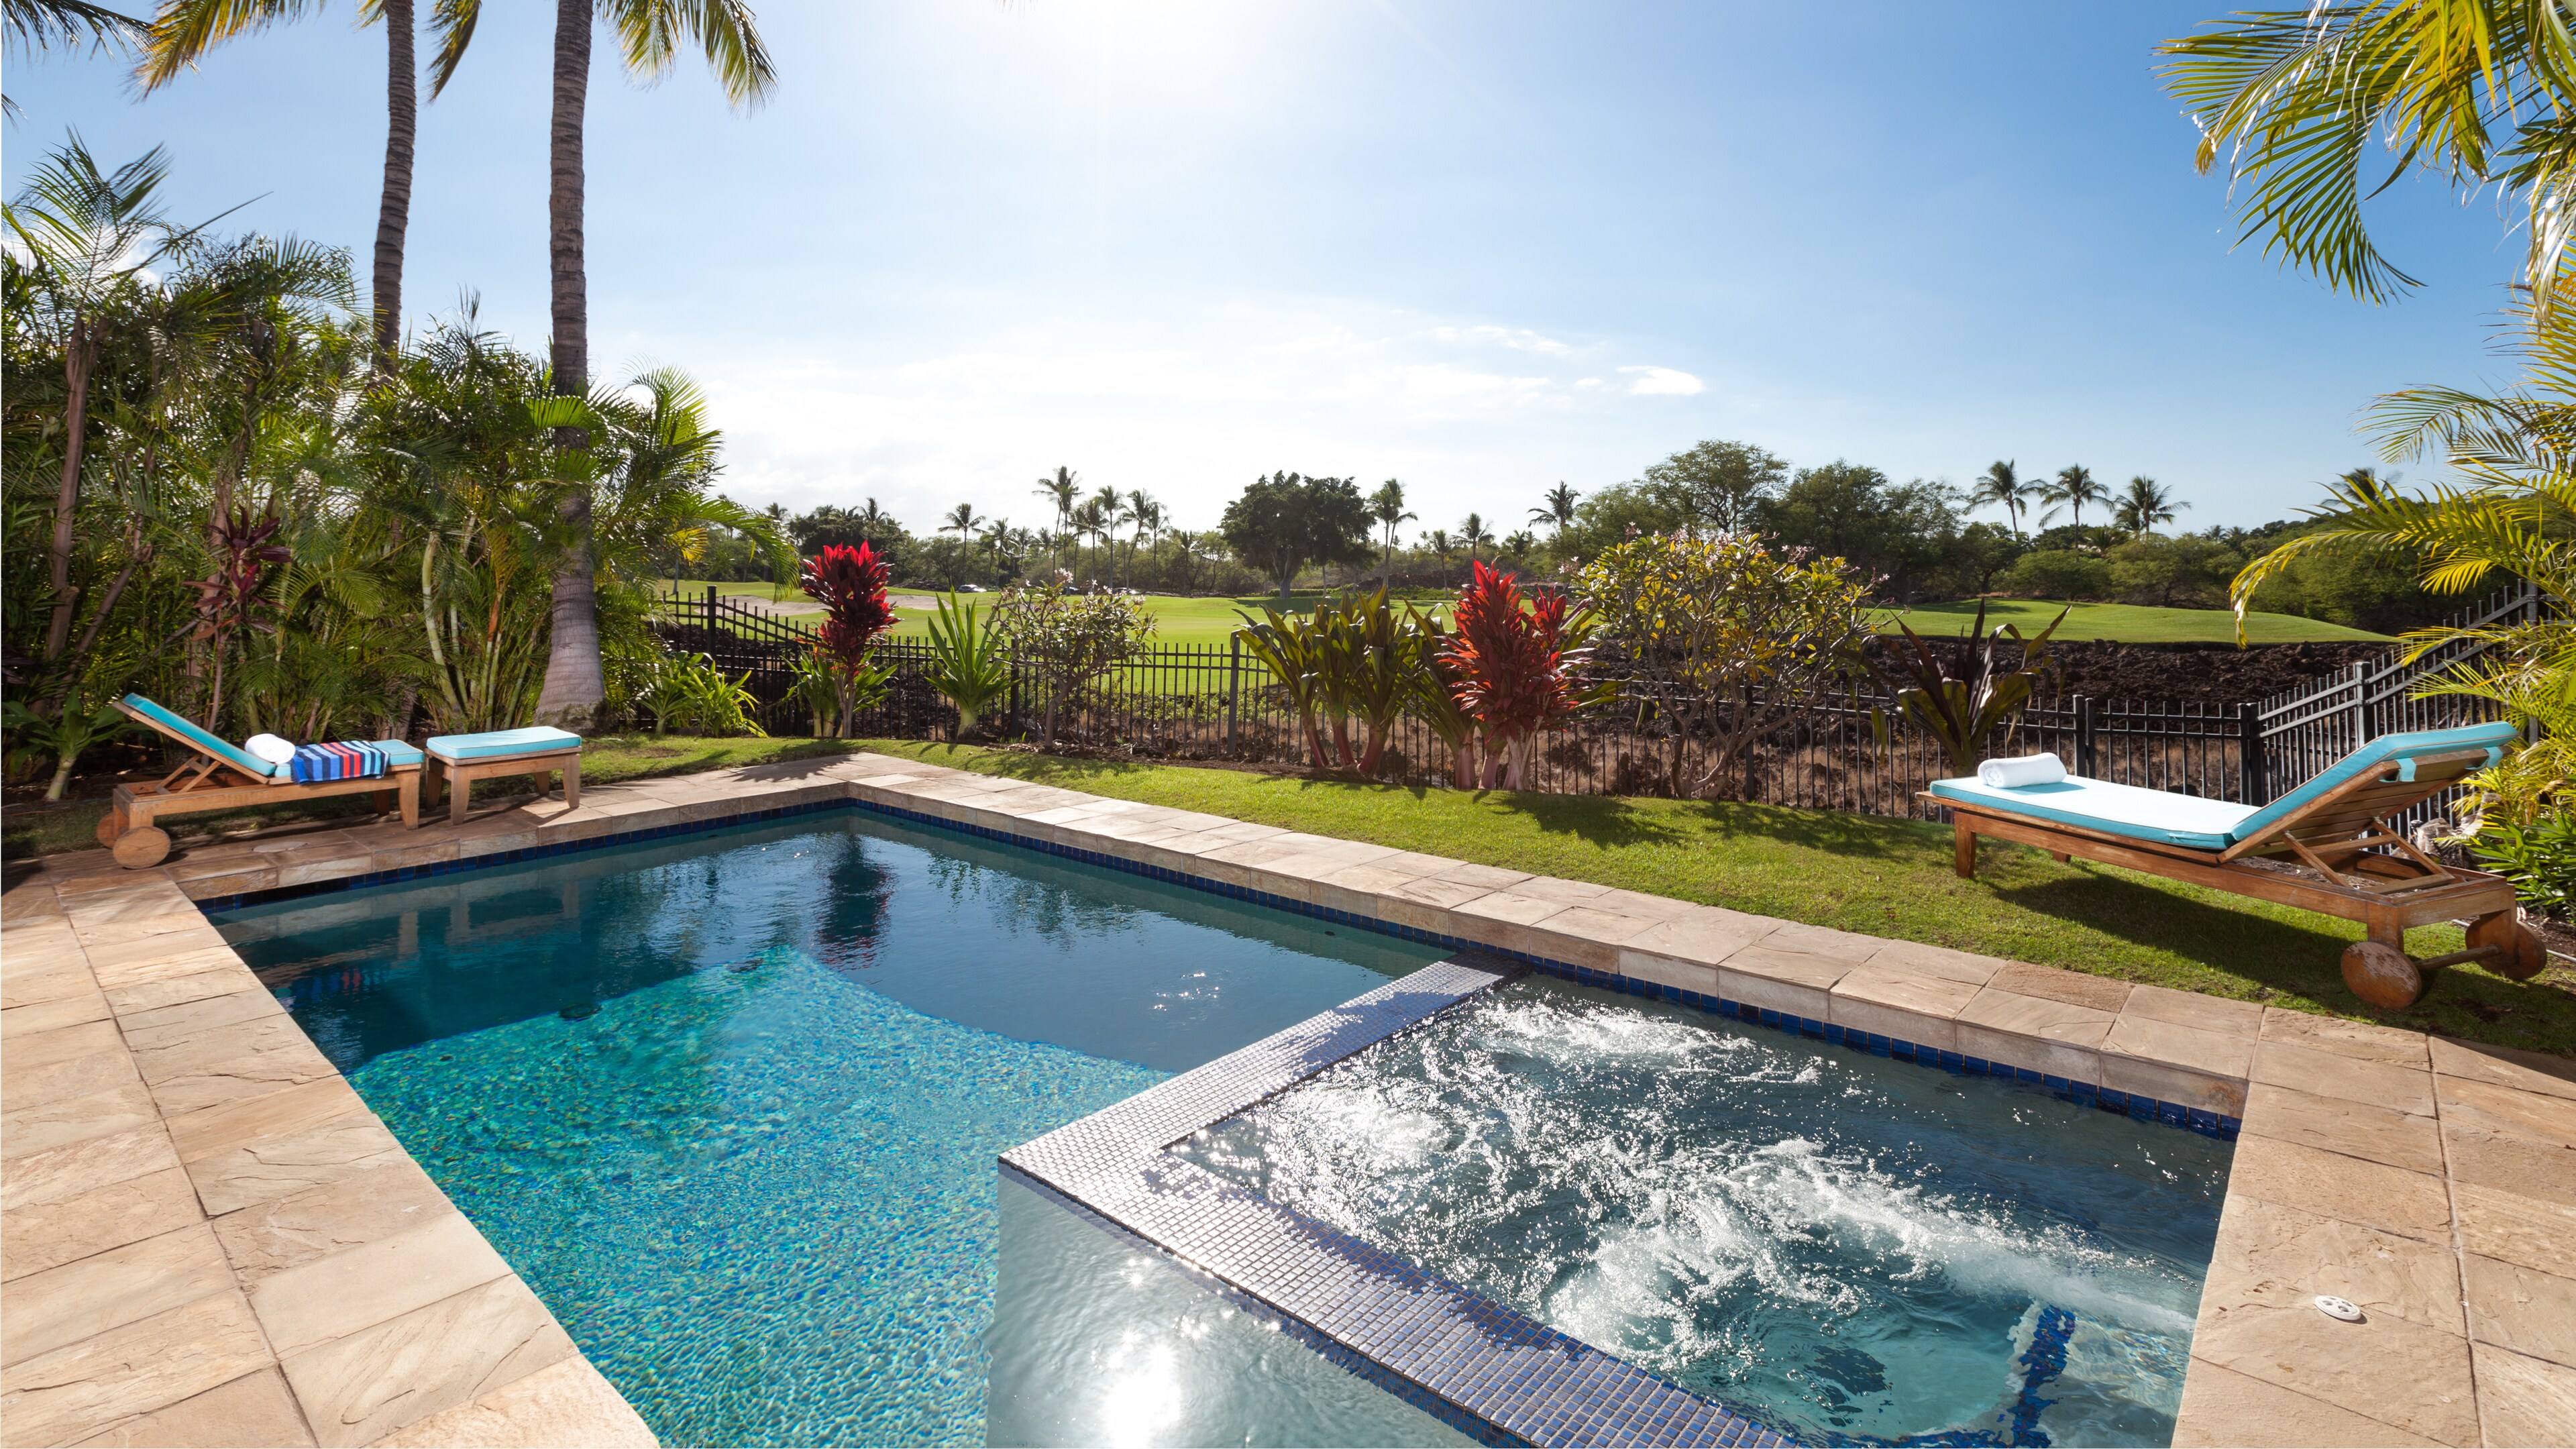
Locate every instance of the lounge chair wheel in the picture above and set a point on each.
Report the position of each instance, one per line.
(2524, 956)
(142, 846)
(2382, 975)
(108, 829)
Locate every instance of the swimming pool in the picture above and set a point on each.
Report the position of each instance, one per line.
(1845, 1247)
(731, 1104)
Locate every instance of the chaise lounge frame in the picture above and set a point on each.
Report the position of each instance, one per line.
(2338, 856)
(212, 780)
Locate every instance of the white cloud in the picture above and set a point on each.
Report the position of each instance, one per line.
(1663, 382)
(1519, 339)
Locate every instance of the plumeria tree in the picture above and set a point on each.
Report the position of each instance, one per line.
(1715, 638)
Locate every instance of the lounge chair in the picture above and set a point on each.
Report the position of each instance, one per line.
(220, 775)
(2326, 846)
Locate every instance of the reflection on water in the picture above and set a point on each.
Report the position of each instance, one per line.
(1099, 1339)
(731, 1104)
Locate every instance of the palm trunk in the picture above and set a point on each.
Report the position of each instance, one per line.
(393, 213)
(574, 689)
(78, 358)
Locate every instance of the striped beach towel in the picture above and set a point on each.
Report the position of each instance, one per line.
(338, 761)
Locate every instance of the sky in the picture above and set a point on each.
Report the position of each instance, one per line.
(1482, 246)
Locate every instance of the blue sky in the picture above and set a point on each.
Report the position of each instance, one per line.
(1482, 247)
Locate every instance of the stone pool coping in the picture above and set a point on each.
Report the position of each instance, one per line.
(2432, 1181)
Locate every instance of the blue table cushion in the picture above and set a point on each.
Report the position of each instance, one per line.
(501, 744)
(2198, 824)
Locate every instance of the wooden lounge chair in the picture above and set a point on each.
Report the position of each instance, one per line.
(220, 775)
(2326, 846)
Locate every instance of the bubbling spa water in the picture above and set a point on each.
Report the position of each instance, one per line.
(1846, 1247)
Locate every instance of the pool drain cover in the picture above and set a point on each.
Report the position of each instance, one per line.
(2341, 1309)
(579, 1010)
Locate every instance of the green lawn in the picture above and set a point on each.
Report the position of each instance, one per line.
(2125, 623)
(1209, 621)
(1861, 873)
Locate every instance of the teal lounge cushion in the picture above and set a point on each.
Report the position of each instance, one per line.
(222, 749)
(2198, 824)
(2153, 815)
(501, 744)
(398, 754)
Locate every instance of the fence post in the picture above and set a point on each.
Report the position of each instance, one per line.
(2360, 705)
(1233, 681)
(2087, 760)
(2249, 752)
(711, 608)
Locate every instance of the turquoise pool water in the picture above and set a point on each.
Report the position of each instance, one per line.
(1848, 1248)
(731, 1105)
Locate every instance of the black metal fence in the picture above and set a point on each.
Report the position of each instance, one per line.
(1846, 750)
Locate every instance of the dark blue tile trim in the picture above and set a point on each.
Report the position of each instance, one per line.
(2142, 1108)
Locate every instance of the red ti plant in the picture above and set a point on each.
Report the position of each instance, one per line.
(229, 601)
(850, 584)
(1514, 668)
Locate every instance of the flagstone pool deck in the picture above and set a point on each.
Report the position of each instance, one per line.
(206, 1237)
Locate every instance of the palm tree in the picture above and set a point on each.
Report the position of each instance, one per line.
(1559, 512)
(44, 24)
(1061, 490)
(2002, 484)
(1146, 515)
(85, 233)
(649, 33)
(2146, 504)
(1520, 543)
(185, 30)
(1474, 534)
(1093, 518)
(964, 520)
(2075, 487)
(1386, 505)
(1440, 544)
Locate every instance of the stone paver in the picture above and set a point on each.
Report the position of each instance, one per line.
(155, 1107)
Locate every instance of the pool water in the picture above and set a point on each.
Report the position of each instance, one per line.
(1847, 1248)
(731, 1105)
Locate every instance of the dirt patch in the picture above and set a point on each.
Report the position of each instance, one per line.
(2209, 674)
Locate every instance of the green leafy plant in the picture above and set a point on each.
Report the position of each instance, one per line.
(967, 664)
(1959, 692)
(1433, 699)
(1372, 657)
(692, 693)
(62, 736)
(2539, 858)
(1292, 648)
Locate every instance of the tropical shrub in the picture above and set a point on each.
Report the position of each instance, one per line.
(1070, 642)
(850, 584)
(1959, 693)
(1433, 698)
(62, 736)
(2540, 859)
(1292, 648)
(1715, 639)
(691, 692)
(967, 664)
(1358, 654)
(1514, 661)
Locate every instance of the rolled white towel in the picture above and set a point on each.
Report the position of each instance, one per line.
(270, 748)
(2028, 770)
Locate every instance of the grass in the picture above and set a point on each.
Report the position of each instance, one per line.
(2126, 623)
(1880, 876)
(1180, 620)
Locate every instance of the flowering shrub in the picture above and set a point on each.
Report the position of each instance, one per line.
(1069, 642)
(1513, 666)
(1715, 639)
(850, 584)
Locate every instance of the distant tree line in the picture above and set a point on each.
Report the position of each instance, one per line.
(2066, 536)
